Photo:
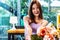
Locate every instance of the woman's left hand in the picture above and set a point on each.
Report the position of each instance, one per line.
(41, 31)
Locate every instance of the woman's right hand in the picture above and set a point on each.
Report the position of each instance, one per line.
(28, 37)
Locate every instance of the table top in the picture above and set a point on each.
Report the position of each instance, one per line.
(16, 31)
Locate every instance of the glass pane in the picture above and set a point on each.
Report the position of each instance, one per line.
(5, 13)
(24, 10)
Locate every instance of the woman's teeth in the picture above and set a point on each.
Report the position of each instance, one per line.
(36, 13)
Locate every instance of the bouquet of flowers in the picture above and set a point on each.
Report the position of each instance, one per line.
(47, 32)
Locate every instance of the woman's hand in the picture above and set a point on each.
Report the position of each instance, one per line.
(41, 31)
(28, 37)
(43, 25)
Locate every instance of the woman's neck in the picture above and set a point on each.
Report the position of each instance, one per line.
(36, 18)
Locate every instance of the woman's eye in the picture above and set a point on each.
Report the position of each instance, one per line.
(37, 7)
(33, 8)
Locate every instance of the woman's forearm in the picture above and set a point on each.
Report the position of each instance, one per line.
(29, 29)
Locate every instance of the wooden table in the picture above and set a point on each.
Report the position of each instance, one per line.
(11, 33)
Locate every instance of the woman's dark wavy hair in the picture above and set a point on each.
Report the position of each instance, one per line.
(30, 11)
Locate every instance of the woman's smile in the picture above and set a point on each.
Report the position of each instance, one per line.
(35, 10)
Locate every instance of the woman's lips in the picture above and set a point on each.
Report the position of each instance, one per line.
(36, 13)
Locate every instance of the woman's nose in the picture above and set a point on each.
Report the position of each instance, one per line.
(35, 10)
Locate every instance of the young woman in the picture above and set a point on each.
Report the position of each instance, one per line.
(33, 20)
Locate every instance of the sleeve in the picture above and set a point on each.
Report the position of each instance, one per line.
(28, 30)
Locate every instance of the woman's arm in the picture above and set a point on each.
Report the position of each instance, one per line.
(44, 23)
(26, 25)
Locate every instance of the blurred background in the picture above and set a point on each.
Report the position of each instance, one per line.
(19, 8)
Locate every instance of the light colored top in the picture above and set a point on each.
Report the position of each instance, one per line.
(34, 27)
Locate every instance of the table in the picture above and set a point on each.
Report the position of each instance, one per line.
(11, 33)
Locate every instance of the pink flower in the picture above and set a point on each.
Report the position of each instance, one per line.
(42, 32)
(50, 36)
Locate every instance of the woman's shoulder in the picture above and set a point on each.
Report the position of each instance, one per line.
(45, 21)
(26, 17)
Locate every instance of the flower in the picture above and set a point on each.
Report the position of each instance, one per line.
(47, 32)
(50, 36)
(41, 32)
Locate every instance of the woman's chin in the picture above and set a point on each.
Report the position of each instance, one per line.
(36, 15)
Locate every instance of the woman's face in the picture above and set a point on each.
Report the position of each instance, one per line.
(35, 10)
